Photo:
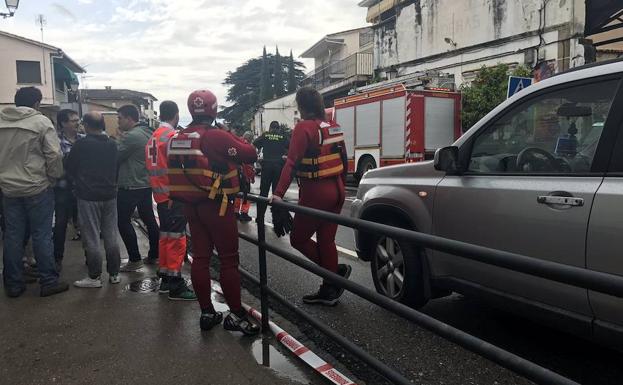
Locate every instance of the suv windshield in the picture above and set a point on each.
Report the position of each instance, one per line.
(556, 132)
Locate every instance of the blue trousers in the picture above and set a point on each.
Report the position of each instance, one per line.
(38, 211)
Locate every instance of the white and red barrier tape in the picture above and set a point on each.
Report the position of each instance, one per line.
(298, 349)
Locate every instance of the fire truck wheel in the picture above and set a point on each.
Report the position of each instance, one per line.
(398, 272)
(366, 163)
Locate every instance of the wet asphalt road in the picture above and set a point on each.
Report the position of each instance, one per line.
(420, 355)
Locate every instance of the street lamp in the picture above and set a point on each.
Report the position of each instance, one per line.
(74, 88)
(11, 5)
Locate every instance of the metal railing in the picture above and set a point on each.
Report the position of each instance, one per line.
(597, 281)
(359, 64)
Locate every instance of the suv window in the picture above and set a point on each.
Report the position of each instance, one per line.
(556, 132)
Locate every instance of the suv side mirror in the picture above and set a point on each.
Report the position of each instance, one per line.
(447, 159)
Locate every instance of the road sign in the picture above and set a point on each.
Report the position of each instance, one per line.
(516, 84)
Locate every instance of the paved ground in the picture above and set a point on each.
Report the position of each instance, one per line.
(115, 336)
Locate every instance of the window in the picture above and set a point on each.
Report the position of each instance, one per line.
(28, 72)
(557, 132)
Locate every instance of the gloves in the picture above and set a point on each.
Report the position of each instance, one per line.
(282, 221)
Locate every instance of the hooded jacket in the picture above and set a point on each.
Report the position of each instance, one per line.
(30, 154)
(132, 169)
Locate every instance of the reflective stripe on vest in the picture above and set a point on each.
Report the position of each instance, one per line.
(161, 190)
(172, 235)
(193, 178)
(324, 161)
(156, 161)
(158, 172)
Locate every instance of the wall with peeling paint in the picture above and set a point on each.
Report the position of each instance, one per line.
(490, 30)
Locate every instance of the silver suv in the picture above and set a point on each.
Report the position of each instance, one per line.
(541, 175)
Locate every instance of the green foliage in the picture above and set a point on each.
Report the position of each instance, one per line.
(266, 91)
(292, 83)
(486, 92)
(278, 72)
(244, 90)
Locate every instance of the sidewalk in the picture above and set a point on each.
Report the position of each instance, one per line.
(116, 336)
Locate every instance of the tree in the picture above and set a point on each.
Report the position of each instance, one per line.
(278, 71)
(266, 91)
(243, 95)
(292, 83)
(486, 92)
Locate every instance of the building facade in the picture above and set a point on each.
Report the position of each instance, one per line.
(282, 110)
(459, 37)
(110, 99)
(25, 62)
(342, 61)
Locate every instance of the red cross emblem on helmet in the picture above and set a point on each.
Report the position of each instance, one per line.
(198, 102)
(202, 103)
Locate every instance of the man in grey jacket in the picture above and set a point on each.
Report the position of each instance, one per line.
(30, 162)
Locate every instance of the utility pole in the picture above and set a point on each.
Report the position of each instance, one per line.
(41, 21)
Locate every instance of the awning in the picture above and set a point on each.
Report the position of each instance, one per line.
(375, 11)
(62, 74)
(603, 16)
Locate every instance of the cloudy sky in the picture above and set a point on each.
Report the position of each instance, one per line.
(169, 48)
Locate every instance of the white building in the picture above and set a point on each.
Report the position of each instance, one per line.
(25, 62)
(459, 37)
(283, 110)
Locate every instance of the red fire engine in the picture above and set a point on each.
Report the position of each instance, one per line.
(396, 125)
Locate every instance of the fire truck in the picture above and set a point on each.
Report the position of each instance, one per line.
(394, 125)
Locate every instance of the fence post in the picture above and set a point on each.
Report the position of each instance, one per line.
(261, 237)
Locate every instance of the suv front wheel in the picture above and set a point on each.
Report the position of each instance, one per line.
(397, 271)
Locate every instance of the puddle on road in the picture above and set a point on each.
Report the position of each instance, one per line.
(148, 285)
(268, 355)
(266, 351)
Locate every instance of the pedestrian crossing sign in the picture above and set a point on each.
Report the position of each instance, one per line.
(516, 84)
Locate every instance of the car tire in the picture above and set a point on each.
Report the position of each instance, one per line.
(398, 272)
(365, 164)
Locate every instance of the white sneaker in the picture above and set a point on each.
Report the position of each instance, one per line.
(114, 279)
(89, 282)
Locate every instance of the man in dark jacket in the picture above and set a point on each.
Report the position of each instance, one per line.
(134, 188)
(92, 165)
(274, 145)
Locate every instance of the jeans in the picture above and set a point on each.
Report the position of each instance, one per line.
(127, 202)
(37, 210)
(271, 171)
(96, 218)
(64, 209)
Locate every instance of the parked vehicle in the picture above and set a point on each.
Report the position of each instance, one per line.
(541, 175)
(394, 125)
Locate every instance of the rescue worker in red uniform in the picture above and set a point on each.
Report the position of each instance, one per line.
(203, 174)
(172, 242)
(317, 157)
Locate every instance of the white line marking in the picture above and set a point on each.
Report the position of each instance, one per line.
(339, 248)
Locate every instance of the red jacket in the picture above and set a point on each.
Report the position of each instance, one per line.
(304, 137)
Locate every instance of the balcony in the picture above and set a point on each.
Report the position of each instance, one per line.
(351, 68)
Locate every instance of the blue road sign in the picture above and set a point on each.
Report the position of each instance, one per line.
(516, 84)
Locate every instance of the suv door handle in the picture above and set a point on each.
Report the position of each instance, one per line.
(561, 199)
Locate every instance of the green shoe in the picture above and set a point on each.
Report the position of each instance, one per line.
(186, 295)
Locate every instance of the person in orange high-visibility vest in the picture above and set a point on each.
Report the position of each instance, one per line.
(241, 205)
(172, 243)
(317, 158)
